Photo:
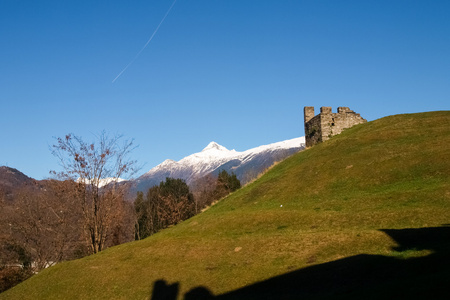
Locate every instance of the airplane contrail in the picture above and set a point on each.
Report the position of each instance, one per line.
(149, 40)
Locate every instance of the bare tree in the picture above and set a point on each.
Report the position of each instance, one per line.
(97, 168)
(122, 229)
(203, 190)
(44, 224)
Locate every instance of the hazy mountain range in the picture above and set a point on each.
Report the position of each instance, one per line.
(11, 180)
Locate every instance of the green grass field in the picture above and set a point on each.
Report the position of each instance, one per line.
(362, 215)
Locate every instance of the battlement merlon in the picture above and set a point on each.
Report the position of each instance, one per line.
(325, 110)
(308, 112)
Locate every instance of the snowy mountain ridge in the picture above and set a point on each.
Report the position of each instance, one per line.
(214, 157)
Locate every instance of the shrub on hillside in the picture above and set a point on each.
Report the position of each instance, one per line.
(12, 276)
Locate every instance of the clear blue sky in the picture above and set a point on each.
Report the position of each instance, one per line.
(237, 72)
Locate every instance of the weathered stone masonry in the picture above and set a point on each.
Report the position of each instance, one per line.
(327, 124)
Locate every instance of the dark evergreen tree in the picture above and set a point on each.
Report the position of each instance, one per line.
(226, 184)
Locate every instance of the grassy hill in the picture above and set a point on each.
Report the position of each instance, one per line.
(360, 216)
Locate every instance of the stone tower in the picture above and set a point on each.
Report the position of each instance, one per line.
(327, 124)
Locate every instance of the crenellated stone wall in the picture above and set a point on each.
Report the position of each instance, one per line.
(326, 124)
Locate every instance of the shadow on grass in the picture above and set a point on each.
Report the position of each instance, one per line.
(356, 277)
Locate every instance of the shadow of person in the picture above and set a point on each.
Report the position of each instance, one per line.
(164, 291)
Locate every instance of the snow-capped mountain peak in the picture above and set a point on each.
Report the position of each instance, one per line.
(167, 162)
(214, 146)
(212, 155)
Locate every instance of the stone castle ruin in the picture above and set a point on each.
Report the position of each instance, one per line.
(327, 124)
